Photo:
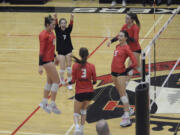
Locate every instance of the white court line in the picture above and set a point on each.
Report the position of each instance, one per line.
(142, 40)
(27, 133)
(69, 130)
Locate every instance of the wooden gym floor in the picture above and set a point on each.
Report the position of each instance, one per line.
(22, 87)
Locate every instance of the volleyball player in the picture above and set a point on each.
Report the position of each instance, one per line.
(84, 75)
(133, 31)
(64, 47)
(119, 73)
(46, 58)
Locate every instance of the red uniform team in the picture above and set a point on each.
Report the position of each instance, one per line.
(84, 73)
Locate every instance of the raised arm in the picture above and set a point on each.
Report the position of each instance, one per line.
(56, 20)
(71, 23)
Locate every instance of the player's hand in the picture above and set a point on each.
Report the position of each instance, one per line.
(40, 70)
(109, 43)
(55, 16)
(72, 16)
(56, 61)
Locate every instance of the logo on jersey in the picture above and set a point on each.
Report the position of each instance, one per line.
(64, 37)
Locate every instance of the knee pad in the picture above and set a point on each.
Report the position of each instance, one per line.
(83, 112)
(69, 70)
(130, 72)
(55, 87)
(47, 87)
(124, 99)
(77, 115)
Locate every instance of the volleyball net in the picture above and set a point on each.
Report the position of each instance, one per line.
(162, 54)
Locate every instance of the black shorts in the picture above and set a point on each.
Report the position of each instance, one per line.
(118, 74)
(137, 51)
(64, 52)
(84, 96)
(45, 62)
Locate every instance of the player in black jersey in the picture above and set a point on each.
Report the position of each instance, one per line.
(64, 47)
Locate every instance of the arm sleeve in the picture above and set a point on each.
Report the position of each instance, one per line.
(94, 75)
(114, 39)
(70, 27)
(42, 40)
(133, 60)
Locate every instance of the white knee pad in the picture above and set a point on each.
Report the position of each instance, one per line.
(124, 99)
(47, 87)
(69, 70)
(83, 112)
(55, 87)
(77, 115)
(130, 72)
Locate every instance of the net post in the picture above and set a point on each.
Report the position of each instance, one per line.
(142, 109)
(142, 102)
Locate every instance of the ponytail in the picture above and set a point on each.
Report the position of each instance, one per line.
(135, 18)
(48, 20)
(83, 53)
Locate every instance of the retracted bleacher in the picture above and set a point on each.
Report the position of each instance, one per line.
(27, 1)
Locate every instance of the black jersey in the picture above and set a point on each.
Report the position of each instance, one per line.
(63, 39)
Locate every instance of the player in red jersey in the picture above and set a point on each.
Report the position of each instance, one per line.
(133, 31)
(46, 57)
(64, 47)
(84, 75)
(119, 72)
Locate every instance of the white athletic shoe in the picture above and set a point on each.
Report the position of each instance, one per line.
(69, 87)
(123, 3)
(131, 111)
(44, 106)
(53, 108)
(125, 121)
(113, 3)
(77, 130)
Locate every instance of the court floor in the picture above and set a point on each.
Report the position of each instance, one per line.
(22, 87)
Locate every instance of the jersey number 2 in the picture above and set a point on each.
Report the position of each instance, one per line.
(83, 73)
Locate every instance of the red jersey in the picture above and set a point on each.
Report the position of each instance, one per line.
(47, 45)
(133, 33)
(120, 55)
(83, 77)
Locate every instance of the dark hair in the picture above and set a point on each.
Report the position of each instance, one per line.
(48, 20)
(60, 20)
(127, 36)
(83, 53)
(135, 18)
